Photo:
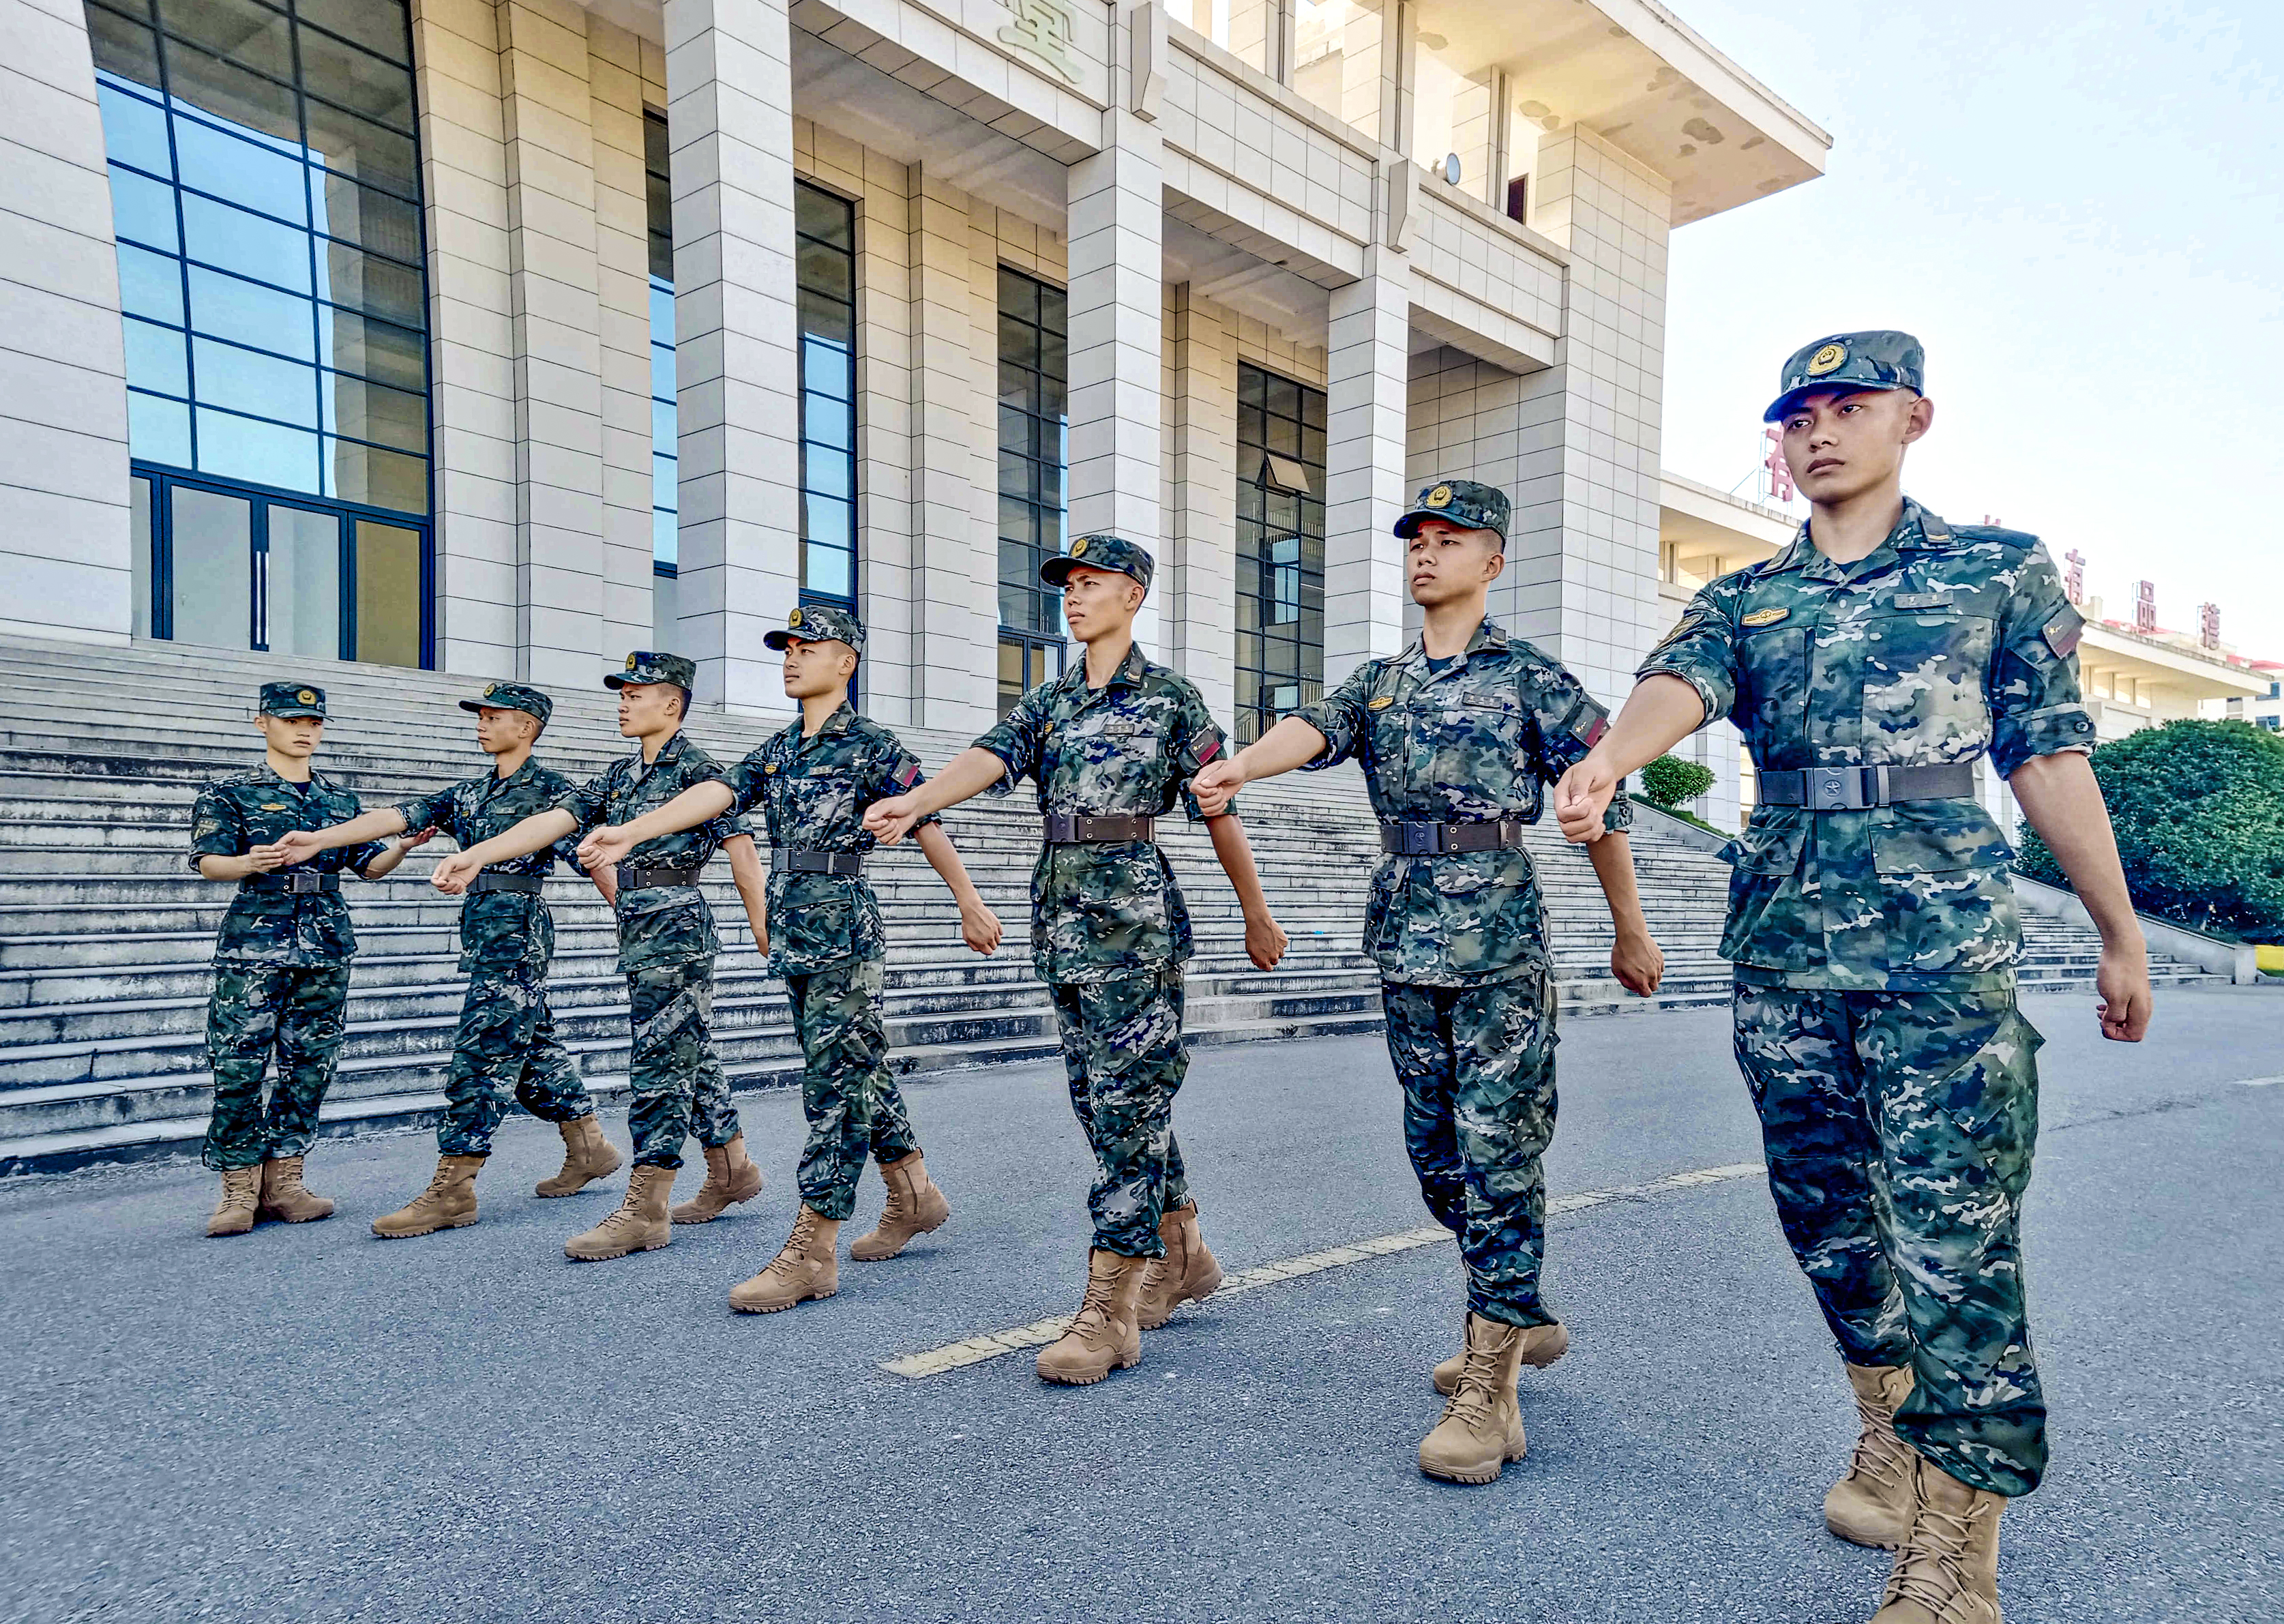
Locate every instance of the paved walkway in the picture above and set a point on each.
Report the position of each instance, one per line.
(310, 1424)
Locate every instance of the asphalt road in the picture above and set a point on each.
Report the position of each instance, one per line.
(310, 1424)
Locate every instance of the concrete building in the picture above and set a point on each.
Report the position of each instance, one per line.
(2264, 708)
(500, 336)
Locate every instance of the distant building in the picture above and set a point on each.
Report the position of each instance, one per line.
(2264, 709)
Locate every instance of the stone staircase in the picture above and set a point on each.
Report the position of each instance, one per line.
(105, 931)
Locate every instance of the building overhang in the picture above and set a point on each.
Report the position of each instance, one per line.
(1702, 523)
(2112, 651)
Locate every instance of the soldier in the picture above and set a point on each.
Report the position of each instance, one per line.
(812, 782)
(506, 1047)
(281, 961)
(1112, 745)
(1455, 736)
(666, 945)
(1869, 665)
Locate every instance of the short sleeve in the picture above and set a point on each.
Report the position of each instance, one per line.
(427, 811)
(1570, 721)
(1017, 740)
(216, 830)
(585, 803)
(2037, 707)
(745, 781)
(356, 856)
(1198, 743)
(896, 771)
(1702, 650)
(1340, 717)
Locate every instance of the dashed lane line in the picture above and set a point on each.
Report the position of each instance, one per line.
(2258, 1082)
(1015, 1339)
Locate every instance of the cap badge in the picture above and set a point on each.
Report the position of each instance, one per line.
(1383, 702)
(1765, 617)
(1078, 547)
(306, 697)
(1440, 497)
(630, 660)
(490, 688)
(1828, 360)
(793, 620)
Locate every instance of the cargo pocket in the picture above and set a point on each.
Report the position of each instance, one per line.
(1950, 909)
(1771, 924)
(1985, 1125)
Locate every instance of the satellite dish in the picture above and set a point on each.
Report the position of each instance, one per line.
(1451, 167)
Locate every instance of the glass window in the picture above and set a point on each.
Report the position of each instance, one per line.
(139, 544)
(143, 211)
(301, 582)
(1340, 58)
(133, 131)
(228, 93)
(379, 28)
(826, 269)
(389, 354)
(150, 285)
(356, 79)
(258, 385)
(158, 430)
(374, 477)
(210, 585)
(261, 453)
(155, 358)
(232, 240)
(247, 313)
(389, 593)
(240, 31)
(1033, 427)
(1280, 547)
(259, 175)
(665, 440)
(121, 47)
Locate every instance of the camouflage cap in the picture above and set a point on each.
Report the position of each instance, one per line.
(643, 666)
(293, 699)
(1113, 553)
(512, 696)
(1847, 363)
(818, 623)
(1467, 503)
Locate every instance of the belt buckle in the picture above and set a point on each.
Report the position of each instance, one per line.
(1419, 839)
(303, 884)
(1061, 828)
(1836, 789)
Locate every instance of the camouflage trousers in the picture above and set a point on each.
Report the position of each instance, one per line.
(853, 1104)
(675, 1079)
(1477, 1068)
(506, 1050)
(1899, 1127)
(1123, 1049)
(256, 1009)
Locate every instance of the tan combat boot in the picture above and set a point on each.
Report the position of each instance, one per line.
(638, 1225)
(241, 1200)
(1481, 1428)
(730, 1177)
(1871, 1504)
(1103, 1336)
(587, 1156)
(807, 1267)
(1542, 1345)
(284, 1196)
(448, 1203)
(1947, 1572)
(1187, 1274)
(915, 1207)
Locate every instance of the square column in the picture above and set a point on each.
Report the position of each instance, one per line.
(1198, 566)
(1367, 369)
(729, 76)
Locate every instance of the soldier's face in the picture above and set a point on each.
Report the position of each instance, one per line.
(297, 736)
(1099, 600)
(647, 708)
(500, 729)
(1446, 562)
(1841, 445)
(814, 669)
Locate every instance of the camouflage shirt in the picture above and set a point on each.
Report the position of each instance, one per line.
(1106, 910)
(812, 794)
(1470, 743)
(658, 925)
(499, 930)
(251, 809)
(1945, 644)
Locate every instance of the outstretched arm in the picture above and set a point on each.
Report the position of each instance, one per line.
(607, 847)
(1635, 957)
(1291, 743)
(1660, 713)
(971, 771)
(534, 834)
(301, 846)
(2063, 802)
(979, 926)
(1264, 938)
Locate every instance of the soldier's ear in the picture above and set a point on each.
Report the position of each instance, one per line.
(1918, 418)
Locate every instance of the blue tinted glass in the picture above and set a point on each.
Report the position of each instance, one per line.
(158, 430)
(150, 285)
(239, 448)
(825, 569)
(236, 240)
(260, 176)
(661, 313)
(133, 131)
(662, 372)
(827, 522)
(662, 486)
(662, 436)
(259, 384)
(144, 210)
(825, 367)
(664, 540)
(154, 358)
(827, 473)
(825, 422)
(231, 308)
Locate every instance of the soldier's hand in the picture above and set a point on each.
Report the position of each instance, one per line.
(261, 860)
(416, 837)
(1266, 942)
(2123, 983)
(891, 819)
(979, 928)
(605, 848)
(1581, 796)
(298, 845)
(452, 874)
(1639, 963)
(1216, 784)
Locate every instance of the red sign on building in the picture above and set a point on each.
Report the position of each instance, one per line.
(2145, 605)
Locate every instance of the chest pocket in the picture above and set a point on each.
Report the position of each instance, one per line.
(1922, 684)
(1772, 703)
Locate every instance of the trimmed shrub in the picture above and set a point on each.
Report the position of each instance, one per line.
(1669, 781)
(2199, 811)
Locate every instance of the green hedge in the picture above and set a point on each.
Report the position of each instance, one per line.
(2199, 811)
(1669, 781)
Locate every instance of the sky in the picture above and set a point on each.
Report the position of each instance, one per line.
(2077, 208)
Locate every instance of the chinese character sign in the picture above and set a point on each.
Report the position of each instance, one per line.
(2145, 605)
(1778, 486)
(1043, 28)
(2074, 577)
(2209, 624)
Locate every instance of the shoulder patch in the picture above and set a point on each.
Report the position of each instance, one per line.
(2063, 631)
(1992, 532)
(1764, 618)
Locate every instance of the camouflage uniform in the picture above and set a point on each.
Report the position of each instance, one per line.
(1875, 1018)
(826, 940)
(1460, 936)
(1109, 931)
(506, 1047)
(666, 942)
(281, 961)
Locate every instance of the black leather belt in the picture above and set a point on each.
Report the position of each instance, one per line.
(303, 884)
(1075, 829)
(1860, 789)
(643, 879)
(1429, 839)
(791, 859)
(527, 883)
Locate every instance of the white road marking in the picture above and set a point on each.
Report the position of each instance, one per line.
(997, 1344)
(2258, 1082)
